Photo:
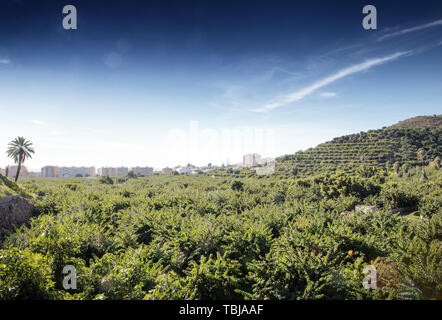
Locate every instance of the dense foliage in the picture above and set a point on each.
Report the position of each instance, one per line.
(8, 187)
(379, 148)
(203, 237)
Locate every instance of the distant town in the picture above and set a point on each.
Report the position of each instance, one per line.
(249, 160)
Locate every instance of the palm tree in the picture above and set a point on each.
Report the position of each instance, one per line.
(20, 149)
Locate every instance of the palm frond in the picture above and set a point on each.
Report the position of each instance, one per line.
(20, 149)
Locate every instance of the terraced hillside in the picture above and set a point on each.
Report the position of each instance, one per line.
(419, 122)
(379, 148)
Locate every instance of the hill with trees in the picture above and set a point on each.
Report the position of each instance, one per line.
(419, 122)
(397, 146)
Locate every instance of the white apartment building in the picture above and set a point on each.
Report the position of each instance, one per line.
(167, 170)
(252, 160)
(113, 172)
(72, 172)
(49, 172)
(12, 171)
(187, 170)
(144, 171)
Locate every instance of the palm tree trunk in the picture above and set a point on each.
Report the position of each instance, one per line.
(19, 168)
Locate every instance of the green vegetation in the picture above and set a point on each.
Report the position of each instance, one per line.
(8, 188)
(198, 237)
(235, 235)
(375, 148)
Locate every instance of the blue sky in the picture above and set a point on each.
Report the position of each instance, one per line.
(169, 82)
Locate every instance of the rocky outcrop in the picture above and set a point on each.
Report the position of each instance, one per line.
(360, 208)
(372, 209)
(347, 213)
(366, 209)
(14, 211)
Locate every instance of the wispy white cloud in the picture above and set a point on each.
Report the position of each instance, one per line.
(91, 130)
(113, 60)
(327, 94)
(39, 122)
(56, 133)
(413, 29)
(272, 71)
(300, 94)
(5, 61)
(391, 29)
